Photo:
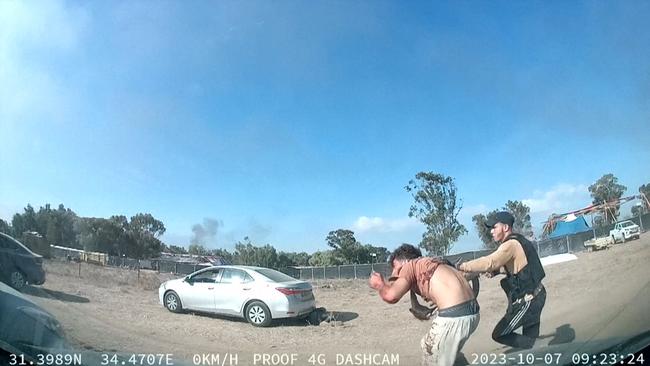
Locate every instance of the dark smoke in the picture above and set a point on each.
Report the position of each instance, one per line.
(207, 233)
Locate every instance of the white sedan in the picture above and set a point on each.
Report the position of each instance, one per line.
(256, 294)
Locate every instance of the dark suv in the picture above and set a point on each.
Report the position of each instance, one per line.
(19, 265)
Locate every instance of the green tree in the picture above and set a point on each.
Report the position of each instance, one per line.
(345, 245)
(607, 189)
(521, 213)
(5, 227)
(325, 258)
(437, 208)
(176, 249)
(372, 254)
(483, 231)
(197, 249)
(250, 255)
(298, 259)
(638, 210)
(146, 223)
(24, 222)
(522, 225)
(98, 235)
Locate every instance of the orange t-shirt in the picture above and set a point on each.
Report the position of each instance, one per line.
(418, 272)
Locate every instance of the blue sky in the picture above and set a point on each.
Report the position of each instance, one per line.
(285, 120)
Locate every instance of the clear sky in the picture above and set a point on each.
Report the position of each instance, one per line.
(284, 120)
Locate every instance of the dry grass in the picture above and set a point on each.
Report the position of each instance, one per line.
(105, 277)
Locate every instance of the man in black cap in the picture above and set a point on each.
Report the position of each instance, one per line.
(518, 259)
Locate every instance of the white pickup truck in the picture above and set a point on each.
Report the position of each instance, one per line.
(625, 230)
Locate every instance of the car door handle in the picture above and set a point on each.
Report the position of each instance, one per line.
(210, 288)
(246, 288)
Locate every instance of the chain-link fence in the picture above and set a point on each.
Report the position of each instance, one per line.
(566, 244)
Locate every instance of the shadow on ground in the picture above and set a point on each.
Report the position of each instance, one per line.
(52, 294)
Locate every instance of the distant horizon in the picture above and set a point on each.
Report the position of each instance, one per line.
(231, 247)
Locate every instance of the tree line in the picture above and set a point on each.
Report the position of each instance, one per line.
(435, 203)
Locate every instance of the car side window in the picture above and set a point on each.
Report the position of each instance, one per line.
(231, 275)
(210, 276)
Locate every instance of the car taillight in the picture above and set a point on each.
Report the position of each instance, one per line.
(289, 291)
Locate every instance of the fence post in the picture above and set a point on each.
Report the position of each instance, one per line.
(312, 273)
(641, 222)
(80, 269)
(324, 276)
(138, 271)
(339, 267)
(567, 244)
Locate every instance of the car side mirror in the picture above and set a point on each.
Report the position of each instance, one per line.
(188, 279)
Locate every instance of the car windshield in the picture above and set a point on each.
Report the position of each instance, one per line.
(294, 152)
(18, 246)
(274, 275)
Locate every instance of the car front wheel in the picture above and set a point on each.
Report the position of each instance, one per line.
(173, 302)
(258, 314)
(17, 280)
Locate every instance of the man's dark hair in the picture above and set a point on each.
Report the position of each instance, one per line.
(404, 252)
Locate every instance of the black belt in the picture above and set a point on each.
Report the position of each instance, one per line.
(530, 296)
(470, 307)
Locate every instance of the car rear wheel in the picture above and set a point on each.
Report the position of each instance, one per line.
(17, 280)
(258, 314)
(173, 302)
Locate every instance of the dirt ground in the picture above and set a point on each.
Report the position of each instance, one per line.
(599, 297)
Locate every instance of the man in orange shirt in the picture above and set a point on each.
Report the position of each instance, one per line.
(440, 284)
(517, 257)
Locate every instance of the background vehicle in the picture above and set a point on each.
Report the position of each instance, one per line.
(19, 265)
(255, 293)
(625, 230)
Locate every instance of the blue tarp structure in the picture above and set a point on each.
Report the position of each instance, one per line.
(563, 228)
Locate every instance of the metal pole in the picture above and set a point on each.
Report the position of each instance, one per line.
(324, 275)
(355, 270)
(567, 244)
(339, 267)
(312, 273)
(641, 221)
(593, 227)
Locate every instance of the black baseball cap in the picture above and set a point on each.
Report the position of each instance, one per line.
(503, 217)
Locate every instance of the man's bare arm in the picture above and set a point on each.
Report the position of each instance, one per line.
(392, 291)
